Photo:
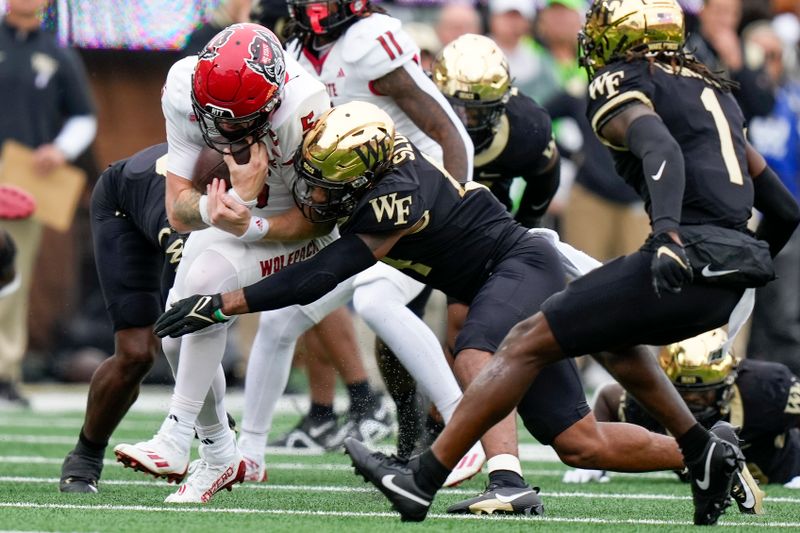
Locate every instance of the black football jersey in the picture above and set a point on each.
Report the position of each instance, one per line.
(522, 146)
(138, 186)
(459, 231)
(705, 121)
(766, 406)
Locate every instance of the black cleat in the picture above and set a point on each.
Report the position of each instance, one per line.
(745, 490)
(497, 499)
(394, 477)
(312, 435)
(80, 473)
(712, 476)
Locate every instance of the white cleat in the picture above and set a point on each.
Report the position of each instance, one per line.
(468, 466)
(585, 475)
(159, 457)
(207, 479)
(255, 471)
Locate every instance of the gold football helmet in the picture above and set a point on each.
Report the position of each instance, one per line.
(472, 73)
(698, 365)
(614, 27)
(339, 159)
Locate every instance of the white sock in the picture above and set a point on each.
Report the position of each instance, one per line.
(383, 307)
(179, 424)
(213, 411)
(267, 374)
(504, 461)
(218, 442)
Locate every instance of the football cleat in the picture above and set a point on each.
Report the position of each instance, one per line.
(80, 473)
(15, 203)
(207, 479)
(310, 434)
(712, 477)
(394, 477)
(497, 499)
(745, 490)
(159, 457)
(468, 466)
(255, 471)
(376, 424)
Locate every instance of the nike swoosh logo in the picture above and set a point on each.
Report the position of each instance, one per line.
(708, 273)
(388, 482)
(704, 483)
(657, 175)
(319, 430)
(511, 497)
(201, 303)
(663, 250)
(750, 501)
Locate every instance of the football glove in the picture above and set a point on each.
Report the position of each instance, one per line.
(191, 314)
(670, 267)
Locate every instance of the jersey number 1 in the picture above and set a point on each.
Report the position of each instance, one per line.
(389, 43)
(711, 103)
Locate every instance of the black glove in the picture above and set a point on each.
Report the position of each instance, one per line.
(670, 266)
(191, 314)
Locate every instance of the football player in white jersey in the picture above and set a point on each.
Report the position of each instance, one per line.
(362, 54)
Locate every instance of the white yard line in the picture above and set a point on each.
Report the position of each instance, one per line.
(339, 489)
(308, 513)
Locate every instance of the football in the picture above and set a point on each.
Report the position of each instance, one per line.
(210, 165)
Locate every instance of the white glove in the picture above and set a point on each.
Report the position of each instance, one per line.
(793, 484)
(579, 475)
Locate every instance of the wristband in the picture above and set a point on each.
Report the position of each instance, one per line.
(202, 206)
(256, 230)
(235, 195)
(219, 316)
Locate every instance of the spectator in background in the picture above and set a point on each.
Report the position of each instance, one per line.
(457, 19)
(424, 36)
(717, 44)
(510, 26)
(229, 12)
(775, 333)
(47, 106)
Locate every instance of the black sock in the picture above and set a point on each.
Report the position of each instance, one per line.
(361, 398)
(432, 474)
(506, 478)
(693, 443)
(321, 412)
(88, 447)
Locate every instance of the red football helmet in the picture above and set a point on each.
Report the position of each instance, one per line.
(237, 83)
(325, 17)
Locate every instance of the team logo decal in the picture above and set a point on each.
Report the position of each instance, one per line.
(212, 48)
(266, 57)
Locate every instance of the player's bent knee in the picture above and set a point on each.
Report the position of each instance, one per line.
(136, 350)
(581, 445)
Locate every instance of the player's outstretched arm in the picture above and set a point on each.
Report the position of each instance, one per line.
(774, 201)
(299, 283)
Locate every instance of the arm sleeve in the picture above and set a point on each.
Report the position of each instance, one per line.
(662, 163)
(76, 135)
(309, 280)
(539, 191)
(780, 210)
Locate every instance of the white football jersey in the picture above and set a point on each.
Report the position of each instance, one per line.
(304, 101)
(369, 49)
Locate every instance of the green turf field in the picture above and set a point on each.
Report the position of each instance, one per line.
(316, 493)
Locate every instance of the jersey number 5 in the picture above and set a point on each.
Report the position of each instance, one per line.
(711, 103)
